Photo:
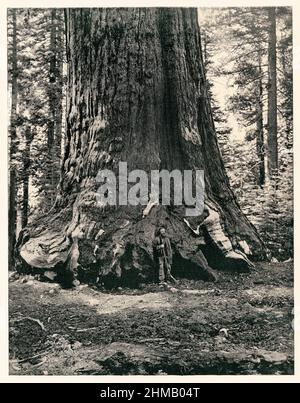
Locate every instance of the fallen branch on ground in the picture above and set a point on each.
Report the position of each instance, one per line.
(30, 358)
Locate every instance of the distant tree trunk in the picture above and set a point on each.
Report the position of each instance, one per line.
(25, 176)
(137, 92)
(204, 41)
(287, 87)
(272, 96)
(52, 108)
(59, 105)
(55, 106)
(60, 53)
(12, 212)
(260, 126)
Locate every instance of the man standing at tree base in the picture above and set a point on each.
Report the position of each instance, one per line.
(163, 250)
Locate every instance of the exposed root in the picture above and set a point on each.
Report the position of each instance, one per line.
(115, 246)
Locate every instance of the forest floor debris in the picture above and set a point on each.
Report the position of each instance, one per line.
(240, 325)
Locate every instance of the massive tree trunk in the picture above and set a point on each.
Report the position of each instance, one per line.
(12, 212)
(137, 93)
(272, 96)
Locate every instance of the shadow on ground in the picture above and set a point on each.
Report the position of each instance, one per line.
(240, 325)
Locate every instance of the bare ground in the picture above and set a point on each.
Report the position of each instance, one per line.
(239, 325)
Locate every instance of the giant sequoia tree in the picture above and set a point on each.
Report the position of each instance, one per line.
(137, 93)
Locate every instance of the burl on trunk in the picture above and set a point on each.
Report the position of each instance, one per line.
(137, 93)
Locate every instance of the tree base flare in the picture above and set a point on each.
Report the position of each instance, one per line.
(114, 246)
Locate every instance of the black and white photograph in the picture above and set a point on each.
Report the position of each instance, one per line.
(150, 190)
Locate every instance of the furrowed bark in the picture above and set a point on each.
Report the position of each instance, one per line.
(137, 93)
